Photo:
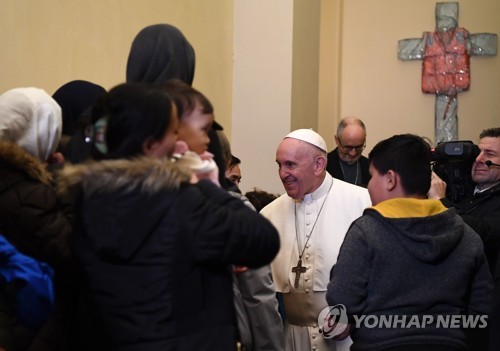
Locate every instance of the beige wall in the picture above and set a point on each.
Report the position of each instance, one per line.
(262, 87)
(252, 65)
(385, 92)
(46, 43)
(305, 68)
(330, 68)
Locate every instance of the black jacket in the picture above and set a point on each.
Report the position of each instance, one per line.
(333, 167)
(482, 213)
(155, 254)
(35, 220)
(494, 321)
(32, 217)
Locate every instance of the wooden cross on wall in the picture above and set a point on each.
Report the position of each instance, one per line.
(445, 67)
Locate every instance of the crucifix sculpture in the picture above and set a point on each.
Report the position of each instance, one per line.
(445, 67)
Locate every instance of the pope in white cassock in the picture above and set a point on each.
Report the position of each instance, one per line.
(312, 219)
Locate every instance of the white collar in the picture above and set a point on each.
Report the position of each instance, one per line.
(321, 191)
(479, 191)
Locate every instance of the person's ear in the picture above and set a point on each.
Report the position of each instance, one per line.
(336, 140)
(320, 164)
(391, 180)
(149, 146)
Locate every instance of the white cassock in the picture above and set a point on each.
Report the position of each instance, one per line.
(322, 237)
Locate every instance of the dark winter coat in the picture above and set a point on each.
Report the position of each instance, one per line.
(155, 254)
(494, 323)
(35, 221)
(482, 213)
(32, 217)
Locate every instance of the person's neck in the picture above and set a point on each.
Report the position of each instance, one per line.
(317, 188)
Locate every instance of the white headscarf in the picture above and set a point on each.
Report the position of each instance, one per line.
(32, 119)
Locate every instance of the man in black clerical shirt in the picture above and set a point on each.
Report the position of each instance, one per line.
(346, 162)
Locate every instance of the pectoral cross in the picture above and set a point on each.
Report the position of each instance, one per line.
(481, 44)
(298, 270)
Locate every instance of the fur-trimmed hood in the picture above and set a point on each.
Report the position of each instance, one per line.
(147, 174)
(121, 202)
(15, 156)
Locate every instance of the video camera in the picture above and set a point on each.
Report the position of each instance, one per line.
(452, 162)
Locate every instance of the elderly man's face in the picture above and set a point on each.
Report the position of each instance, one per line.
(484, 176)
(298, 167)
(351, 143)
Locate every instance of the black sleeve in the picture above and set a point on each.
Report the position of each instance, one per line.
(223, 229)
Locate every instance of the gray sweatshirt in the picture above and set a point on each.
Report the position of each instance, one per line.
(405, 258)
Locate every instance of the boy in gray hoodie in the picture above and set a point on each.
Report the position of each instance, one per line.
(410, 274)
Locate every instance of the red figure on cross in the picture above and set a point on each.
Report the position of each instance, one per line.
(445, 67)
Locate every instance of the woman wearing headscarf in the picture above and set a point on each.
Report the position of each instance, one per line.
(76, 99)
(160, 52)
(32, 217)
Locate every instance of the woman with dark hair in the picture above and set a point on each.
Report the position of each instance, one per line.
(134, 119)
(155, 244)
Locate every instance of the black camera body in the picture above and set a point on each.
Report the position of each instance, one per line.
(452, 162)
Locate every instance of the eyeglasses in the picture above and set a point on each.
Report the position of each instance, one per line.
(359, 149)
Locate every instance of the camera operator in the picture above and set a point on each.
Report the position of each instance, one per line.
(481, 211)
